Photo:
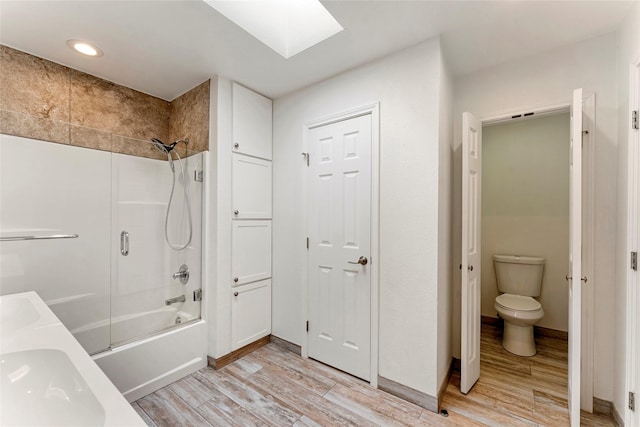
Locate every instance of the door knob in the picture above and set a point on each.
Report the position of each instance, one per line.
(235, 279)
(470, 268)
(236, 145)
(362, 261)
(236, 212)
(235, 294)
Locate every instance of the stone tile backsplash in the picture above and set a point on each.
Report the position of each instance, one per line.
(43, 100)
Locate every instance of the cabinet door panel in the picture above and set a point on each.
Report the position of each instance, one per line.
(251, 251)
(250, 313)
(251, 185)
(252, 115)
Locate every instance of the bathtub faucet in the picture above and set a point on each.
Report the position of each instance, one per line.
(174, 300)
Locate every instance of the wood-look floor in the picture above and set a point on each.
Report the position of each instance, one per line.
(274, 387)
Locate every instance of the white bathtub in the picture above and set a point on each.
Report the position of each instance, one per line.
(130, 327)
(141, 367)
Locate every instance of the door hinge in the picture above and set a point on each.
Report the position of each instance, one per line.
(197, 295)
(306, 157)
(198, 176)
(632, 401)
(307, 243)
(634, 261)
(307, 326)
(634, 120)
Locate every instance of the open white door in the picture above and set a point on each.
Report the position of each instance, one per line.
(632, 416)
(471, 203)
(575, 257)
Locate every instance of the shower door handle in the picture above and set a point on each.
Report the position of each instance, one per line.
(124, 243)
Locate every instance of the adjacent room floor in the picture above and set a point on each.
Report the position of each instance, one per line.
(274, 387)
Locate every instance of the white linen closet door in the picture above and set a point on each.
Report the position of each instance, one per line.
(471, 203)
(575, 257)
(339, 220)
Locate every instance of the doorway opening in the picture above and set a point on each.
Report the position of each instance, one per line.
(525, 213)
(525, 209)
(505, 226)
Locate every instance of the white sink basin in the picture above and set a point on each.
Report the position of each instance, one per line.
(42, 387)
(47, 378)
(17, 314)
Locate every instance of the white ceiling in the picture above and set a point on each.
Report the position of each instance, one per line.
(165, 48)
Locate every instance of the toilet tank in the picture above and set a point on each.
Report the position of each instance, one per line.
(519, 275)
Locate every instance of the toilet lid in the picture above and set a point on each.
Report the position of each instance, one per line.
(518, 302)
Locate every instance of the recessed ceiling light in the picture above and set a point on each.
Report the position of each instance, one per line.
(84, 48)
(286, 26)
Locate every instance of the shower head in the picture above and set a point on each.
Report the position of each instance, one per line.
(166, 148)
(161, 146)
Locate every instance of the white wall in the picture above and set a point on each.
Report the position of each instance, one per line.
(525, 206)
(48, 188)
(544, 79)
(628, 41)
(407, 86)
(445, 207)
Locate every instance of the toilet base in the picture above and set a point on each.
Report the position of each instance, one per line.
(518, 339)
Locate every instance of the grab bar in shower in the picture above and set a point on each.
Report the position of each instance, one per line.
(46, 237)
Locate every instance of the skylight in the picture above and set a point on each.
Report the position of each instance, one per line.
(286, 26)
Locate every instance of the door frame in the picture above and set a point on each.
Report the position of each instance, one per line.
(631, 278)
(374, 111)
(588, 223)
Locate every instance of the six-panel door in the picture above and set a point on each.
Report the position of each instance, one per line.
(339, 221)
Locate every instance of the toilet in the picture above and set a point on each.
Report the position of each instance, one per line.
(519, 280)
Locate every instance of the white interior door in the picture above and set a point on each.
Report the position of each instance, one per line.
(471, 204)
(339, 245)
(575, 257)
(632, 416)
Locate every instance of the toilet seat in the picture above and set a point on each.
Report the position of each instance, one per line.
(517, 302)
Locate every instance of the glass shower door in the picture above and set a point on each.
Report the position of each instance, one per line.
(147, 290)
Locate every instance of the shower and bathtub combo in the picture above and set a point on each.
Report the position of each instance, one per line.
(113, 244)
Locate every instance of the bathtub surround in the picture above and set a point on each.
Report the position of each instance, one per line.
(111, 299)
(113, 304)
(43, 100)
(189, 118)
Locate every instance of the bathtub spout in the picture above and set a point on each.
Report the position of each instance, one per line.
(174, 300)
